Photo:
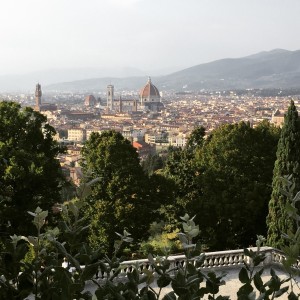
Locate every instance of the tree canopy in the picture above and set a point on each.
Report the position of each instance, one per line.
(196, 138)
(152, 163)
(235, 172)
(30, 174)
(120, 199)
(287, 163)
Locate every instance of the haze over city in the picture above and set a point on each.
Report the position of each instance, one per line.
(156, 37)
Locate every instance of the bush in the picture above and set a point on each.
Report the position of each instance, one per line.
(45, 278)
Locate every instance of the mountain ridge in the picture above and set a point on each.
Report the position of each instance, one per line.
(277, 68)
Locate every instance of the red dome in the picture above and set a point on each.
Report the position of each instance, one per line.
(149, 90)
(90, 100)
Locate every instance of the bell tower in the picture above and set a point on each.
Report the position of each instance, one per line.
(110, 97)
(38, 97)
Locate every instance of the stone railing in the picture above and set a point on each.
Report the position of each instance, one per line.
(213, 260)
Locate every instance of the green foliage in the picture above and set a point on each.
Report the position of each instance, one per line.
(46, 279)
(287, 163)
(161, 240)
(196, 139)
(235, 166)
(43, 275)
(30, 174)
(224, 178)
(251, 277)
(177, 184)
(181, 169)
(227, 176)
(152, 163)
(186, 284)
(121, 199)
(291, 237)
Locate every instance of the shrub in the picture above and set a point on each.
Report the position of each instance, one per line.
(45, 278)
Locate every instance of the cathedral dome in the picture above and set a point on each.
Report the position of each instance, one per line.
(90, 100)
(149, 91)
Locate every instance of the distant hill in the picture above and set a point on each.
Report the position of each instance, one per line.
(64, 78)
(27, 82)
(99, 84)
(278, 68)
(274, 69)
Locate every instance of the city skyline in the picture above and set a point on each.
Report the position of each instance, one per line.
(151, 36)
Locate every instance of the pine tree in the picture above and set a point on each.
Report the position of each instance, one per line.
(287, 163)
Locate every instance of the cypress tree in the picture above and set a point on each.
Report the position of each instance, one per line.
(287, 163)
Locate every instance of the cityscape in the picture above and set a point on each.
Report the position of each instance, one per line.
(149, 150)
(166, 120)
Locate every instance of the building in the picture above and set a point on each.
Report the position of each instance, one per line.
(143, 149)
(90, 131)
(77, 134)
(277, 118)
(39, 106)
(38, 97)
(90, 101)
(149, 100)
(177, 140)
(79, 115)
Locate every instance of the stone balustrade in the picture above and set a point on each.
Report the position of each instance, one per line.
(213, 260)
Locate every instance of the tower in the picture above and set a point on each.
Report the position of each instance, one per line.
(120, 105)
(110, 97)
(38, 97)
(135, 105)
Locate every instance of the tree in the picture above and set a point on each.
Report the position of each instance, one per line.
(181, 170)
(152, 163)
(30, 174)
(181, 167)
(120, 199)
(287, 163)
(235, 166)
(196, 138)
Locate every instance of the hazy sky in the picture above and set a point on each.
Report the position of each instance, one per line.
(145, 34)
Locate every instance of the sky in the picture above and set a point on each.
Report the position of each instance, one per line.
(144, 34)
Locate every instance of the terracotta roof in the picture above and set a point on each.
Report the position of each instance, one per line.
(149, 90)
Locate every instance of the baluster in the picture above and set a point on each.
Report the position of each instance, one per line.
(123, 271)
(241, 259)
(276, 257)
(205, 263)
(281, 259)
(226, 260)
(236, 259)
(216, 262)
(221, 261)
